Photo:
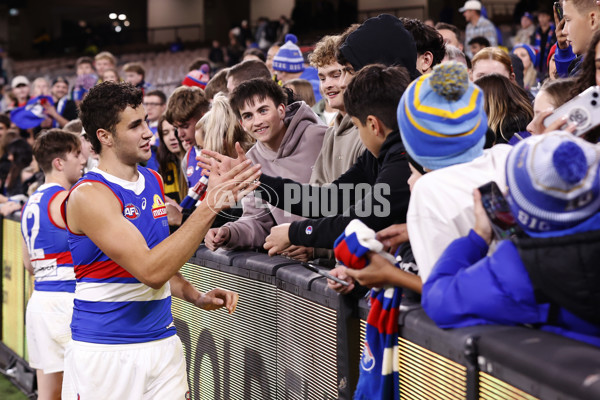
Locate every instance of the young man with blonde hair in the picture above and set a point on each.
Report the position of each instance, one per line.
(341, 145)
(104, 61)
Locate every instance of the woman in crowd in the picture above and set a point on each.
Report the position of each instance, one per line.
(303, 90)
(507, 107)
(527, 55)
(218, 130)
(20, 155)
(553, 94)
(491, 60)
(169, 156)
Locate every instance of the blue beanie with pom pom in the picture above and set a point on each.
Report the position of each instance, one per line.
(441, 117)
(289, 57)
(553, 181)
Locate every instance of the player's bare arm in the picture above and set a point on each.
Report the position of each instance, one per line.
(94, 210)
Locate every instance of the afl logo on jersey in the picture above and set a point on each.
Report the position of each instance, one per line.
(131, 212)
(189, 171)
(158, 207)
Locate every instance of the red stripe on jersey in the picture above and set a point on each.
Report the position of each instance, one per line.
(64, 257)
(101, 270)
(49, 213)
(160, 182)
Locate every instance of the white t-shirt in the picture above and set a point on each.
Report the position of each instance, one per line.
(441, 204)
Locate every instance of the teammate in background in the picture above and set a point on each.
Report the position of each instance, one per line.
(125, 263)
(46, 255)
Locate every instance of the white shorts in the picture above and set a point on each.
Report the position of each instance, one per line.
(47, 322)
(151, 370)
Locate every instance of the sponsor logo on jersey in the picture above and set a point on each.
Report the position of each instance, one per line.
(36, 198)
(158, 207)
(144, 203)
(131, 211)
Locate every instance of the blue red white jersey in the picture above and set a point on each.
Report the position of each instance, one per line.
(193, 172)
(47, 243)
(111, 306)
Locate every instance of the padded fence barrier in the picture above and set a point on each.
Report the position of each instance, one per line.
(292, 338)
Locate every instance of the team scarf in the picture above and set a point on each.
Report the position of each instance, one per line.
(32, 114)
(378, 377)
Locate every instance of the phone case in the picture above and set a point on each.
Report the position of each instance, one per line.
(559, 10)
(496, 207)
(583, 110)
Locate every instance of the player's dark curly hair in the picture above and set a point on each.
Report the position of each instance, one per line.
(102, 108)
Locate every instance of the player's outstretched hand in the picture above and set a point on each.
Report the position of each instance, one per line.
(224, 163)
(227, 188)
(218, 298)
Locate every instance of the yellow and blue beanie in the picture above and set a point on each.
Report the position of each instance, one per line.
(441, 117)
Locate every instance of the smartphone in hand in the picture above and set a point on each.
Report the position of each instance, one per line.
(504, 224)
(559, 10)
(324, 273)
(582, 110)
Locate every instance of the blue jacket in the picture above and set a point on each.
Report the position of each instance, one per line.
(468, 288)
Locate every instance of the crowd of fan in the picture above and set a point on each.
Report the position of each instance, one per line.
(394, 105)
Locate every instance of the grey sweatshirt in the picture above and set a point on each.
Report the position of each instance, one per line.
(294, 160)
(340, 150)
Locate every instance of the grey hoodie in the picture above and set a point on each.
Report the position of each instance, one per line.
(340, 150)
(294, 160)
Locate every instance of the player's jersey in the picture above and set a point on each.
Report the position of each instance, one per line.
(111, 306)
(47, 243)
(193, 172)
